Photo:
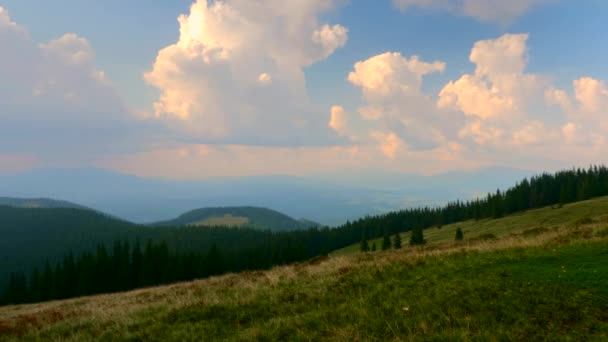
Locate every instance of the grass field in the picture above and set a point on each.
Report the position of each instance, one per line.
(545, 277)
(533, 221)
(226, 220)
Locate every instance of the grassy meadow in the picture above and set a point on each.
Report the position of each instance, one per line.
(531, 222)
(226, 220)
(543, 277)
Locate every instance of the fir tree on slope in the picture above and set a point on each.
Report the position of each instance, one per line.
(417, 237)
(386, 242)
(459, 235)
(397, 241)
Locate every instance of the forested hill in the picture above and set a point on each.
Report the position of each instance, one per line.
(38, 203)
(33, 235)
(254, 217)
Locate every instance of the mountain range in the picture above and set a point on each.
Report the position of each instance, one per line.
(329, 199)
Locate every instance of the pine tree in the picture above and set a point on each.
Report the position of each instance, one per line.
(364, 245)
(397, 241)
(417, 237)
(386, 242)
(459, 234)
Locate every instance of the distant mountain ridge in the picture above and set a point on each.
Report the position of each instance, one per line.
(328, 199)
(38, 203)
(254, 217)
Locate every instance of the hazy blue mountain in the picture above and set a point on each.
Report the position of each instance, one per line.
(37, 203)
(259, 218)
(327, 199)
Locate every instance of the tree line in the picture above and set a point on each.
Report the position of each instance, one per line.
(187, 253)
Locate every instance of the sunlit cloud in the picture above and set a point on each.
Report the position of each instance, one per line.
(236, 72)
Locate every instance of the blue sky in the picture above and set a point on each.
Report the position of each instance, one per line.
(565, 43)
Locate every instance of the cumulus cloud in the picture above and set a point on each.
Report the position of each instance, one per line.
(585, 111)
(391, 74)
(339, 120)
(389, 143)
(504, 104)
(53, 100)
(236, 72)
(499, 11)
(592, 94)
(396, 113)
(499, 85)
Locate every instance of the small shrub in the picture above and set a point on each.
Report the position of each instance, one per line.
(459, 234)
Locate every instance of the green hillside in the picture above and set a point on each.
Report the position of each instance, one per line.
(254, 217)
(544, 277)
(529, 222)
(37, 203)
(33, 237)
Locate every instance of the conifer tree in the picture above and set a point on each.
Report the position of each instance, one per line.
(374, 247)
(397, 241)
(417, 237)
(364, 244)
(386, 241)
(459, 234)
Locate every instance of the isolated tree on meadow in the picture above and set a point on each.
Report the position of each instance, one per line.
(417, 237)
(373, 247)
(364, 244)
(459, 235)
(386, 242)
(397, 241)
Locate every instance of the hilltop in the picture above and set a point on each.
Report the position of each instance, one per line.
(541, 276)
(38, 203)
(254, 217)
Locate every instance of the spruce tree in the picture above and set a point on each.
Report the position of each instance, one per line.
(386, 242)
(417, 237)
(364, 245)
(459, 234)
(397, 241)
(373, 247)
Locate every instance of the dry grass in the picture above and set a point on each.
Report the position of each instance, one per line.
(122, 309)
(80, 318)
(587, 212)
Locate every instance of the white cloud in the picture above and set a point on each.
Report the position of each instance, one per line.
(395, 111)
(391, 74)
(210, 78)
(592, 94)
(499, 86)
(339, 120)
(389, 143)
(499, 11)
(54, 102)
(503, 103)
(585, 110)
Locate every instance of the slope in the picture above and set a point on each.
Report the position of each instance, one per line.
(530, 222)
(31, 236)
(255, 217)
(37, 203)
(547, 285)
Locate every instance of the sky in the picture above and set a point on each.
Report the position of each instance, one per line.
(194, 89)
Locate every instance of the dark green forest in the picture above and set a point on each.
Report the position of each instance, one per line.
(93, 263)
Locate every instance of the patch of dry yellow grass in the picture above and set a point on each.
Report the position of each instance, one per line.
(119, 309)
